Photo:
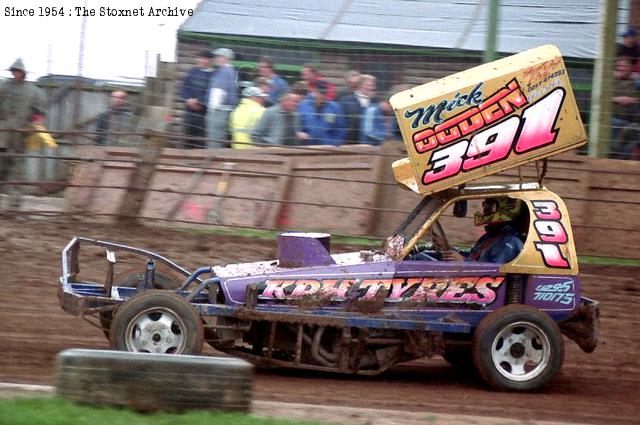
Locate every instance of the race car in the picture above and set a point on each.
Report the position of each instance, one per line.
(363, 312)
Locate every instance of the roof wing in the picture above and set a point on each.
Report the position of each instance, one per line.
(487, 119)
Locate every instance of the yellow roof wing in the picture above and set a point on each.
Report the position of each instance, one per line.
(486, 119)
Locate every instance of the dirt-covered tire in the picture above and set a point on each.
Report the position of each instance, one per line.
(157, 321)
(517, 348)
(164, 278)
(149, 382)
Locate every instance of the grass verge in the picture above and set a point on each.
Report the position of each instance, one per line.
(54, 411)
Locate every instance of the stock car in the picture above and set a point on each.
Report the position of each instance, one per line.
(363, 312)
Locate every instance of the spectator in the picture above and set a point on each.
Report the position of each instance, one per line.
(117, 119)
(354, 105)
(629, 47)
(300, 88)
(322, 119)
(629, 142)
(311, 77)
(21, 104)
(246, 116)
(222, 98)
(351, 80)
(263, 84)
(277, 85)
(625, 103)
(378, 124)
(194, 94)
(279, 124)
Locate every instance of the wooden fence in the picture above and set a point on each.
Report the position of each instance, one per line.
(348, 190)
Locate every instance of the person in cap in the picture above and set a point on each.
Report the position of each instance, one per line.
(321, 119)
(222, 98)
(194, 93)
(629, 47)
(625, 106)
(502, 240)
(21, 104)
(246, 116)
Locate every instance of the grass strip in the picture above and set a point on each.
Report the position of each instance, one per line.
(55, 411)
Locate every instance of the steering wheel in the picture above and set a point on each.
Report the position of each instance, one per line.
(439, 238)
(439, 243)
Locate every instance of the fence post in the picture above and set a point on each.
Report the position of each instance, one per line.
(151, 145)
(602, 88)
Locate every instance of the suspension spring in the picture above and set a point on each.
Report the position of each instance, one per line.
(515, 288)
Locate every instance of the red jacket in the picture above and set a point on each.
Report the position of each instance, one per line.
(331, 88)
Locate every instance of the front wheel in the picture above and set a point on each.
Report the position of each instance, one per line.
(517, 348)
(164, 278)
(157, 321)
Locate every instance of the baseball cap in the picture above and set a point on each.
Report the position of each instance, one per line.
(253, 91)
(630, 32)
(223, 51)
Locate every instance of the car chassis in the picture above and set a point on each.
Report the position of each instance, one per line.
(339, 313)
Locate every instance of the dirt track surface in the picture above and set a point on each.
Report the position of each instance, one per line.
(600, 388)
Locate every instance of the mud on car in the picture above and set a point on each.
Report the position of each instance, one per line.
(363, 312)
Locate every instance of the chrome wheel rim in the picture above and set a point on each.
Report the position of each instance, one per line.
(155, 330)
(521, 351)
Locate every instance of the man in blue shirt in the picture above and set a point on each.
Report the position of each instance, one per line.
(502, 241)
(222, 99)
(378, 124)
(277, 85)
(321, 119)
(194, 93)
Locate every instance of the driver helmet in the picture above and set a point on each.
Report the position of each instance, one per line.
(497, 210)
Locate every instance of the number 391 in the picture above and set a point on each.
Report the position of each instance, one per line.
(536, 128)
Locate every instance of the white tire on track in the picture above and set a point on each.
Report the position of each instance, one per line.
(150, 382)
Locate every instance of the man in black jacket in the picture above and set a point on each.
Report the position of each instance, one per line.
(354, 105)
(117, 119)
(194, 94)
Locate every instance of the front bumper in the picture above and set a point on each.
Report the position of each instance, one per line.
(80, 305)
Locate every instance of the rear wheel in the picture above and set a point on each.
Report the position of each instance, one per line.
(157, 322)
(517, 348)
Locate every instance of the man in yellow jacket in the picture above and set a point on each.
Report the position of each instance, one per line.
(246, 116)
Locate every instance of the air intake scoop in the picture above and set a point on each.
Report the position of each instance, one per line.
(301, 249)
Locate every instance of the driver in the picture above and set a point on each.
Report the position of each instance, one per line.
(501, 242)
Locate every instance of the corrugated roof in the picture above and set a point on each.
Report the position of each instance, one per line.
(572, 25)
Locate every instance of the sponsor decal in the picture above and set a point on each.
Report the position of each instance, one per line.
(422, 115)
(463, 290)
(562, 293)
